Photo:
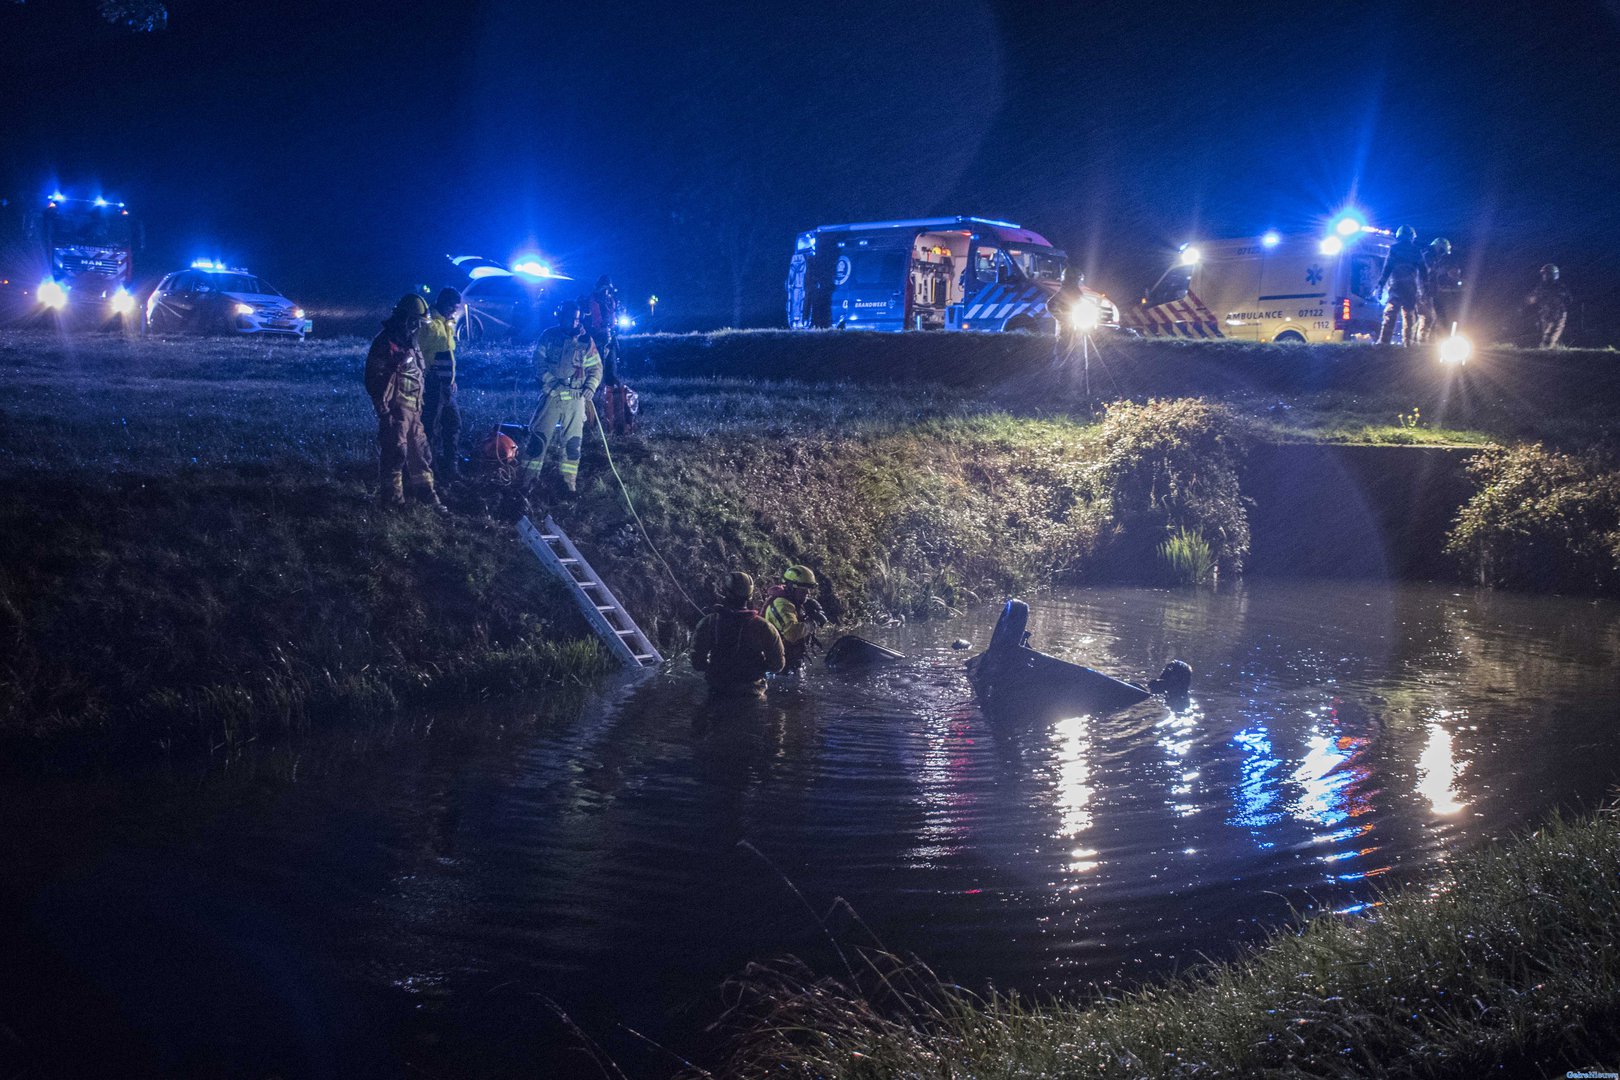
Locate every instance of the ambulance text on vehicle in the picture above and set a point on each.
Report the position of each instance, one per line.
(949, 273)
(1290, 288)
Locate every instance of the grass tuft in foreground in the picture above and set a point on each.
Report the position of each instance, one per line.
(1511, 963)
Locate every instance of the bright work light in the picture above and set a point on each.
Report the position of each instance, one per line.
(122, 302)
(1271, 239)
(52, 295)
(1086, 315)
(1332, 246)
(1456, 349)
(1189, 256)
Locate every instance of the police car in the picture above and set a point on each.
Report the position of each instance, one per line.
(951, 273)
(210, 297)
(1312, 286)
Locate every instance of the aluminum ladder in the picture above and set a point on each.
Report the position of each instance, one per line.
(602, 609)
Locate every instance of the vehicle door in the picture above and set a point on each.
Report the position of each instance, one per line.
(988, 279)
(179, 301)
(870, 279)
(1295, 279)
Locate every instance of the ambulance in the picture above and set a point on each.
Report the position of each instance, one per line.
(947, 273)
(1316, 286)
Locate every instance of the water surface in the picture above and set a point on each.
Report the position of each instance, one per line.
(427, 905)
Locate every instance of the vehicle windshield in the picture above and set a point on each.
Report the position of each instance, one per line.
(1039, 264)
(97, 228)
(241, 283)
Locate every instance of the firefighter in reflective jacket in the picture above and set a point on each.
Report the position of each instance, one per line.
(393, 379)
(793, 612)
(733, 647)
(1403, 273)
(569, 369)
(441, 419)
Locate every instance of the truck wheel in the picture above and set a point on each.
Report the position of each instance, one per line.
(1290, 337)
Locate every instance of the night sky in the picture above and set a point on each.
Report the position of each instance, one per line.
(342, 149)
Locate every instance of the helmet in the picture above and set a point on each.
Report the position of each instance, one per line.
(567, 312)
(1550, 272)
(411, 306)
(1406, 232)
(799, 575)
(739, 587)
(447, 300)
(1441, 244)
(499, 448)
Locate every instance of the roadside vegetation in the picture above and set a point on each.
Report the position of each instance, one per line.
(1542, 519)
(1505, 966)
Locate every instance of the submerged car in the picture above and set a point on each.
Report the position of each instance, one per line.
(211, 298)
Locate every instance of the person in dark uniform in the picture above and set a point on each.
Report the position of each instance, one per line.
(1403, 274)
(1552, 302)
(1441, 304)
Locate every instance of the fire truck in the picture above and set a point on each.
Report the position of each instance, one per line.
(947, 273)
(72, 256)
(1316, 286)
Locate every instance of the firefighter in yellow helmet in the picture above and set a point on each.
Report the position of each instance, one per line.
(569, 369)
(393, 380)
(794, 613)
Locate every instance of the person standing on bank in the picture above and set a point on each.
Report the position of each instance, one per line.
(393, 379)
(569, 369)
(441, 419)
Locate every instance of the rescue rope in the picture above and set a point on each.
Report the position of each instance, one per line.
(601, 429)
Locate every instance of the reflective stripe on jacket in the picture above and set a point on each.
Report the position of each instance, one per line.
(566, 361)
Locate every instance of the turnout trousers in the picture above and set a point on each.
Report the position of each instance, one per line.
(560, 417)
(402, 453)
(441, 420)
(1402, 310)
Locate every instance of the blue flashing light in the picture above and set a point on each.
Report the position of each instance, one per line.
(1271, 239)
(57, 196)
(100, 201)
(1348, 224)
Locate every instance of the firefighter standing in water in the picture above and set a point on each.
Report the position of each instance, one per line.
(1403, 273)
(393, 379)
(569, 369)
(441, 419)
(793, 612)
(733, 647)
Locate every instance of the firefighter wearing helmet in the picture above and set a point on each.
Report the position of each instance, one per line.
(1440, 305)
(1403, 274)
(1552, 302)
(792, 612)
(441, 418)
(569, 369)
(393, 379)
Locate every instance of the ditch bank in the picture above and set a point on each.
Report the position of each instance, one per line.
(1378, 512)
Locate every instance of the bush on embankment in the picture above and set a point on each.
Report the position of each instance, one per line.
(1542, 520)
(1509, 966)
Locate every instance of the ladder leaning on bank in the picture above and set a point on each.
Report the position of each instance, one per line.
(602, 609)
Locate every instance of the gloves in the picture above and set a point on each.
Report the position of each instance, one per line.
(814, 614)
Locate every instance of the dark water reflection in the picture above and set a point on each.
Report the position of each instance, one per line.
(415, 910)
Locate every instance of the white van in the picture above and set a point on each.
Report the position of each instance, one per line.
(1299, 288)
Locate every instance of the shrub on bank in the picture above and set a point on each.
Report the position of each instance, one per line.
(1542, 519)
(1167, 468)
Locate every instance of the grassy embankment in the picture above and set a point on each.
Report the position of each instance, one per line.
(1508, 965)
(194, 556)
